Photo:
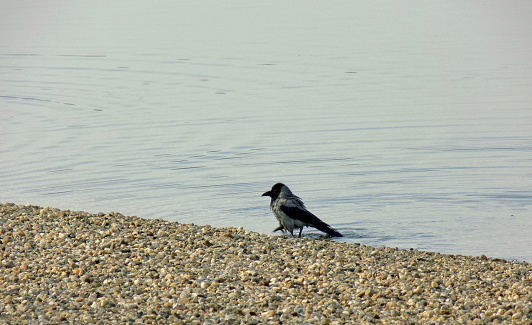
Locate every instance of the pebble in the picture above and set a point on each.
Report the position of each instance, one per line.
(61, 266)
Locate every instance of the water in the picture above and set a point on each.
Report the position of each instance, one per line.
(401, 124)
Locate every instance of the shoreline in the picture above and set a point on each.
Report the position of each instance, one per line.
(64, 266)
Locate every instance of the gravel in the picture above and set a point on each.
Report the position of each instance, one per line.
(82, 268)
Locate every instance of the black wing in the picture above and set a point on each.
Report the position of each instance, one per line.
(307, 217)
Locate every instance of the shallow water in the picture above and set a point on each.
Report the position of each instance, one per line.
(401, 125)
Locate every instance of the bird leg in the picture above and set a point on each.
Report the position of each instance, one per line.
(300, 230)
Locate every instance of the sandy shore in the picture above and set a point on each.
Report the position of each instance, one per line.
(76, 267)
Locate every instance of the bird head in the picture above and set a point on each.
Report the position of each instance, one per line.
(276, 190)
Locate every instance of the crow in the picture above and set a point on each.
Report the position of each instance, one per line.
(292, 214)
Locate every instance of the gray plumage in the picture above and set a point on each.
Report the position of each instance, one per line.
(291, 213)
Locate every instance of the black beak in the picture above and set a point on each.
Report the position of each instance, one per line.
(269, 193)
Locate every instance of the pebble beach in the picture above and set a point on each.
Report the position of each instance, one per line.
(61, 266)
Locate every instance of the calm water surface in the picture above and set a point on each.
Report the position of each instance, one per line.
(400, 124)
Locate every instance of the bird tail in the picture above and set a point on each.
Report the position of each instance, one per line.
(327, 229)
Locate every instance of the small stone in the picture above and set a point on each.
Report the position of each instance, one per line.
(428, 314)
(418, 290)
(268, 314)
(299, 310)
(369, 292)
(444, 310)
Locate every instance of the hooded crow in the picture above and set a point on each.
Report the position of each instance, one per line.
(292, 214)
